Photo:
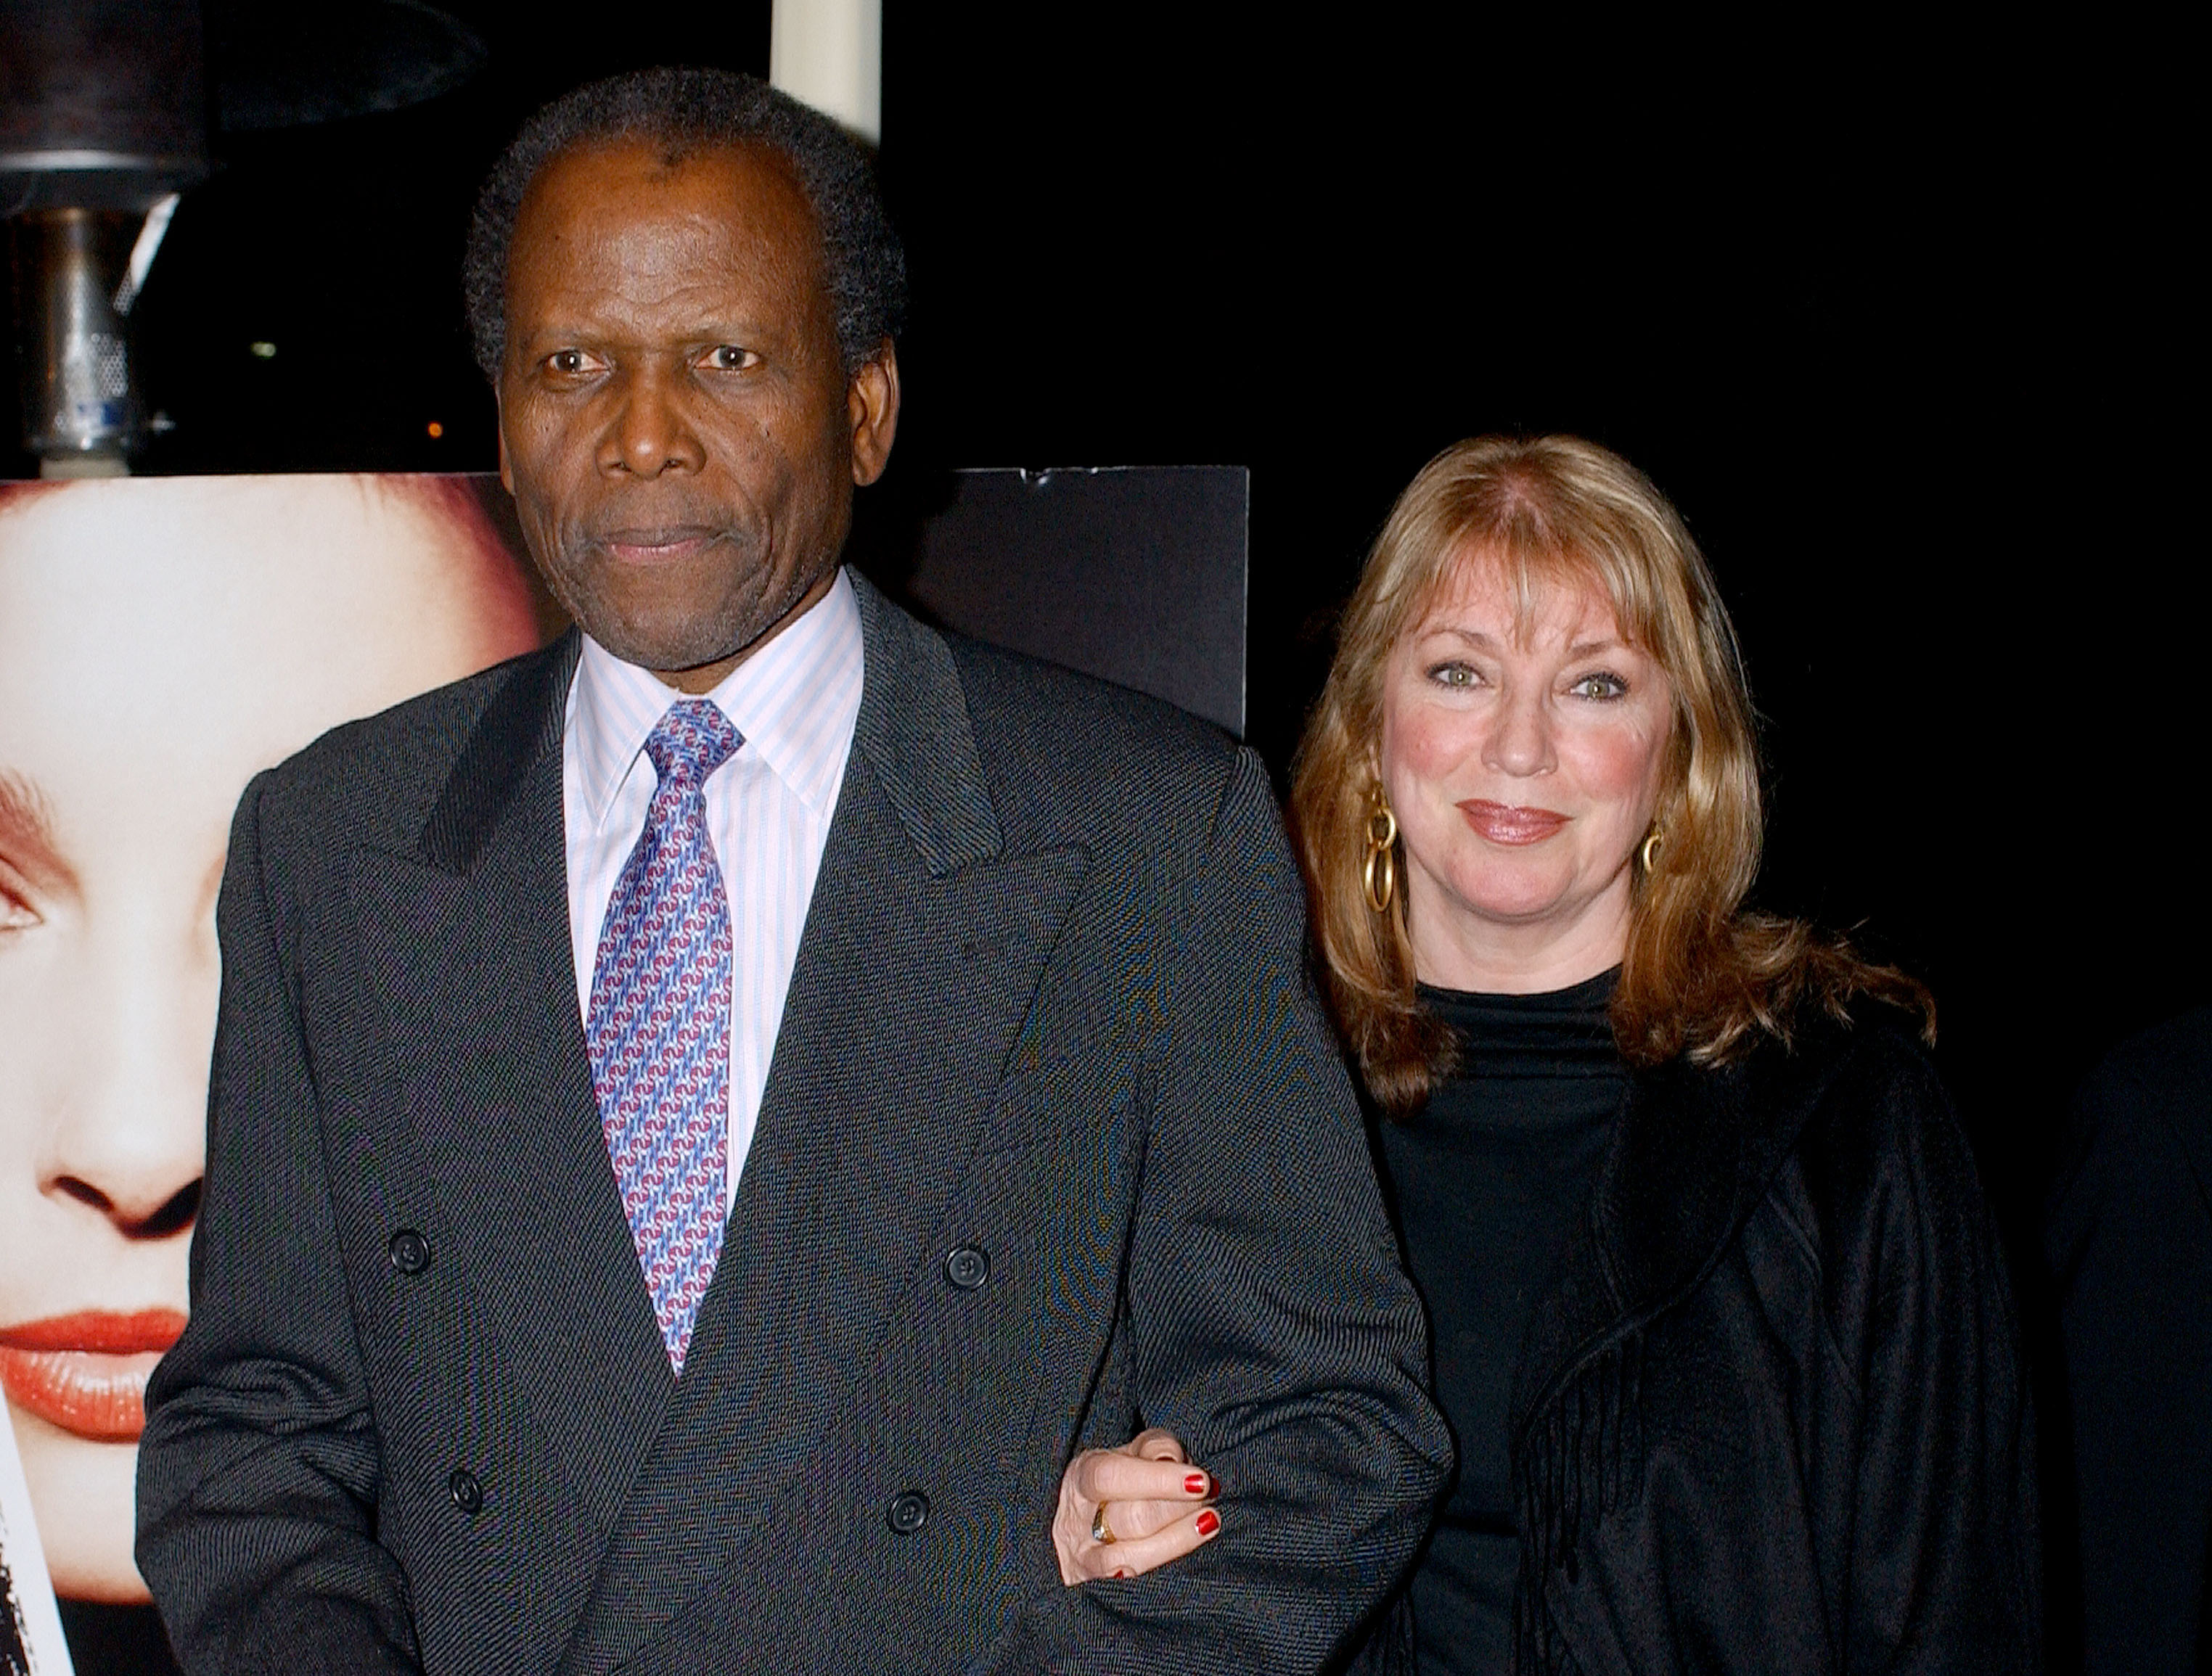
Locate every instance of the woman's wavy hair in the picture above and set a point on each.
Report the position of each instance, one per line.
(1702, 976)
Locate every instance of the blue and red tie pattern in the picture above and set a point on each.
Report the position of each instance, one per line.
(659, 1025)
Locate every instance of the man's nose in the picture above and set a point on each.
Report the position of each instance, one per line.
(132, 1140)
(1520, 740)
(652, 432)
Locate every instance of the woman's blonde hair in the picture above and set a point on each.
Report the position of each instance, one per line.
(1702, 976)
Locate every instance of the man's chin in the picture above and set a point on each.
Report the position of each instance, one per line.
(676, 636)
(671, 644)
(661, 654)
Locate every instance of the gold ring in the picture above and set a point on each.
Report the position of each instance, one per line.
(1100, 1531)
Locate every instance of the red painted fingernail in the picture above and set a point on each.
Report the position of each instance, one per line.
(1195, 1484)
(1122, 1573)
(1212, 1486)
(1208, 1522)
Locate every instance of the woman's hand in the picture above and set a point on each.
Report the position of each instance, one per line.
(1145, 1498)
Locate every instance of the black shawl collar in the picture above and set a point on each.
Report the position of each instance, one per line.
(1693, 1152)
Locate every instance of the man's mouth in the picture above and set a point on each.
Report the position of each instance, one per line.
(657, 544)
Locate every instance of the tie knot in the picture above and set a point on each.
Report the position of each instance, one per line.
(691, 741)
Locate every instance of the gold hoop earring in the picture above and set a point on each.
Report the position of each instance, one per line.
(1652, 846)
(1379, 875)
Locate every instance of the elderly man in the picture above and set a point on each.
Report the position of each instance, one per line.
(708, 1118)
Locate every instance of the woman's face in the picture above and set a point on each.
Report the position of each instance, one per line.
(159, 642)
(1522, 756)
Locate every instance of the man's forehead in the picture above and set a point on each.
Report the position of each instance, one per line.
(744, 178)
(615, 238)
(624, 209)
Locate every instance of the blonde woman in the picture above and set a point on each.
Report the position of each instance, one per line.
(1719, 1318)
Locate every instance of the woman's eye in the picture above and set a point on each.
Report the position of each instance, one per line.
(1600, 685)
(17, 914)
(1453, 675)
(729, 358)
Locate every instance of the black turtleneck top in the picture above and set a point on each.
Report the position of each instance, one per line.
(1487, 1180)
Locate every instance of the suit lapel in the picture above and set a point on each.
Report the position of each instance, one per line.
(468, 940)
(923, 945)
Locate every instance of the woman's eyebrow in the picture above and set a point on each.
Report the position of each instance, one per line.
(1474, 637)
(26, 832)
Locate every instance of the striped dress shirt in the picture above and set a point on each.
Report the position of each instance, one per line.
(794, 702)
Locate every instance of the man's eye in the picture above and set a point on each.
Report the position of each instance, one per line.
(567, 362)
(1600, 685)
(729, 358)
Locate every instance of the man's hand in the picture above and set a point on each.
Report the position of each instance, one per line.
(1146, 1497)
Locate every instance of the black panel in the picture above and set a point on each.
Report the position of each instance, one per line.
(1132, 574)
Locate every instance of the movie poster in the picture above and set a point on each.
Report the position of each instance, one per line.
(161, 639)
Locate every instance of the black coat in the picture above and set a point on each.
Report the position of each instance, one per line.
(2130, 1242)
(1048, 1008)
(1771, 1418)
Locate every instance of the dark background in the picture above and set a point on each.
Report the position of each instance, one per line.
(1895, 317)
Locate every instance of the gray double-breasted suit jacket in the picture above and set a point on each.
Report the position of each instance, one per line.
(1054, 1144)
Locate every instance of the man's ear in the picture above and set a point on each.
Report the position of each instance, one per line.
(872, 405)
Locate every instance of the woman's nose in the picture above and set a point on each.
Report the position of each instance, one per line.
(131, 1141)
(1520, 739)
(147, 1195)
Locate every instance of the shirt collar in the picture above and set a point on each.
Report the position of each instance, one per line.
(794, 703)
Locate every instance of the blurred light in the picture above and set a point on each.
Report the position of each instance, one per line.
(436, 429)
(262, 350)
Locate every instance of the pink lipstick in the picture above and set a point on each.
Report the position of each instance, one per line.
(87, 1373)
(1510, 823)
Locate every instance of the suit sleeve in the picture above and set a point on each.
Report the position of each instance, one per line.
(1270, 1324)
(258, 1471)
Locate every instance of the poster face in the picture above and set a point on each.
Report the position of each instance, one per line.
(162, 640)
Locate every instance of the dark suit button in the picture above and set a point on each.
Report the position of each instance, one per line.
(909, 1512)
(467, 1493)
(410, 1252)
(967, 1268)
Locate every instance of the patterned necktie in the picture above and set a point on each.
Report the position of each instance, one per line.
(659, 1026)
